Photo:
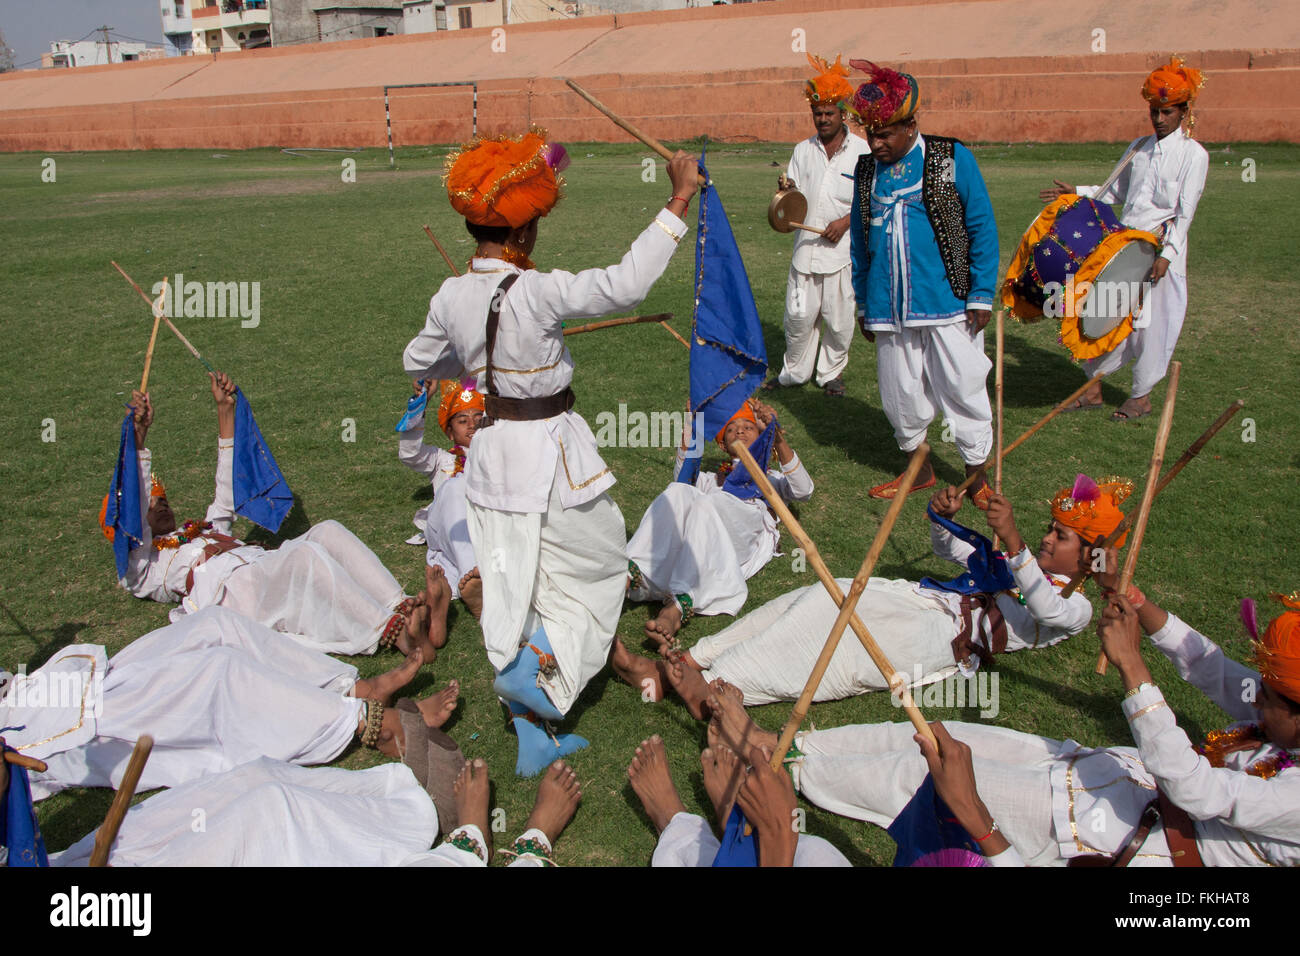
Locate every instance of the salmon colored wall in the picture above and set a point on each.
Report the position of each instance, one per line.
(981, 65)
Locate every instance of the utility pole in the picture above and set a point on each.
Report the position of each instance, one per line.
(108, 48)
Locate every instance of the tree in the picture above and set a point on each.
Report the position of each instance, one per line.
(6, 55)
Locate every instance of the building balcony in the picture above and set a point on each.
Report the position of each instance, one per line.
(232, 14)
(172, 24)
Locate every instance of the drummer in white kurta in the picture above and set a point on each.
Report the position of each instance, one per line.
(929, 630)
(551, 543)
(325, 588)
(214, 690)
(1160, 189)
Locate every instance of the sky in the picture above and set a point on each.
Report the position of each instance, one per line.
(29, 26)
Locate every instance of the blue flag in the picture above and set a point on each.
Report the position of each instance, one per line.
(122, 514)
(261, 493)
(728, 358)
(928, 834)
(414, 412)
(739, 482)
(20, 834)
(987, 569)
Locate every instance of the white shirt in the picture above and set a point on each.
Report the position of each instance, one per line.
(827, 184)
(1160, 187)
(513, 465)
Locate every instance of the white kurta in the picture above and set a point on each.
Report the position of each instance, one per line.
(551, 545)
(820, 284)
(688, 840)
(325, 588)
(270, 813)
(770, 652)
(702, 541)
(214, 690)
(1160, 189)
(1055, 799)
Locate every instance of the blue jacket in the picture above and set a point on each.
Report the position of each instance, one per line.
(906, 284)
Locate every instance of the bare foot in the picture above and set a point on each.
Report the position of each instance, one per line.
(471, 592)
(383, 687)
(557, 801)
(663, 628)
(471, 789)
(437, 709)
(649, 776)
(437, 598)
(690, 686)
(641, 672)
(416, 632)
(724, 772)
(733, 726)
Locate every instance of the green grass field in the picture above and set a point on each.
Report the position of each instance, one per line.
(346, 275)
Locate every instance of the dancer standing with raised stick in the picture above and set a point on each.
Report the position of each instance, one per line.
(1149, 492)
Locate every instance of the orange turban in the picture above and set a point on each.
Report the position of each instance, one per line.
(831, 84)
(744, 414)
(1277, 652)
(1172, 83)
(505, 181)
(156, 490)
(1091, 510)
(457, 397)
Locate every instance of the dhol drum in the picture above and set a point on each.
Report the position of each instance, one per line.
(1078, 263)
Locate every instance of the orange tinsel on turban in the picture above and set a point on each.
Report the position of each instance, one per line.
(456, 398)
(503, 181)
(1091, 510)
(831, 84)
(1172, 83)
(744, 414)
(1277, 652)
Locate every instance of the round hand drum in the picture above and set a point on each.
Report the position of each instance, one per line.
(787, 211)
(1078, 263)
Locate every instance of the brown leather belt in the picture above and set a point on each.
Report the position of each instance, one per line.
(526, 409)
(970, 640)
(1180, 836)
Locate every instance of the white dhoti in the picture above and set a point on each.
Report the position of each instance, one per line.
(936, 369)
(325, 587)
(564, 571)
(702, 544)
(1151, 347)
(214, 690)
(446, 531)
(1052, 799)
(689, 841)
(770, 652)
(813, 302)
(269, 813)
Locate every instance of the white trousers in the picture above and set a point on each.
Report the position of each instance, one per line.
(770, 652)
(689, 841)
(214, 690)
(933, 369)
(1149, 349)
(324, 587)
(566, 571)
(818, 326)
(270, 813)
(446, 531)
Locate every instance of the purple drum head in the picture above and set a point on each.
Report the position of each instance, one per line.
(1075, 234)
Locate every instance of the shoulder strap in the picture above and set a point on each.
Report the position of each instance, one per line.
(493, 319)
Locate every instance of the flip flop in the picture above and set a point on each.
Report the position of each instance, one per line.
(834, 388)
(1081, 406)
(1122, 416)
(889, 489)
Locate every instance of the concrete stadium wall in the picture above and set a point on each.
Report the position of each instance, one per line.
(989, 70)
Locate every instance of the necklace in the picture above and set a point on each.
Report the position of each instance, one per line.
(189, 531)
(1219, 743)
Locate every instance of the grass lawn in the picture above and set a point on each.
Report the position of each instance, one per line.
(346, 275)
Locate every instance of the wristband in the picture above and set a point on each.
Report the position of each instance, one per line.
(684, 199)
(992, 830)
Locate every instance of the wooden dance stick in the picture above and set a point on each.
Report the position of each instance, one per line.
(159, 306)
(184, 341)
(997, 424)
(832, 587)
(645, 138)
(610, 323)
(27, 763)
(450, 265)
(107, 831)
(971, 479)
(1149, 492)
(848, 609)
(1192, 451)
